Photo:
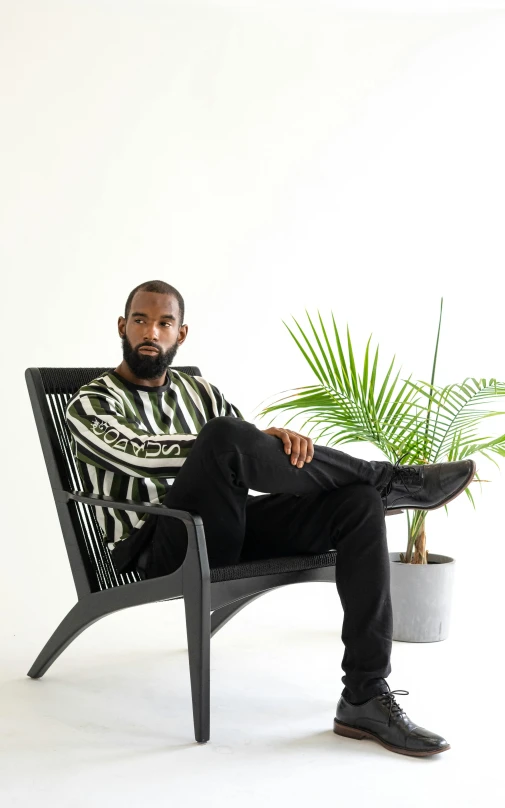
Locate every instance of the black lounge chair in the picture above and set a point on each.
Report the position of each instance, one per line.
(211, 596)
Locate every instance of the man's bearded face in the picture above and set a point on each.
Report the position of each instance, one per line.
(146, 366)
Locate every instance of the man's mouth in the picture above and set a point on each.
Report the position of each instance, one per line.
(147, 350)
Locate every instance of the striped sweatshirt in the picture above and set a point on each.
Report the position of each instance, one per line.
(129, 441)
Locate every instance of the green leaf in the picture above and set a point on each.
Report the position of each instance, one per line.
(343, 365)
(304, 352)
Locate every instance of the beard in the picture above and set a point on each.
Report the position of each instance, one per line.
(144, 366)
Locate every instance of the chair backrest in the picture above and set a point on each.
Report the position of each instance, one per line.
(50, 390)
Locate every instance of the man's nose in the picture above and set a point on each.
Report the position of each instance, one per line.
(151, 333)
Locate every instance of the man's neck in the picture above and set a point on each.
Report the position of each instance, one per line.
(124, 371)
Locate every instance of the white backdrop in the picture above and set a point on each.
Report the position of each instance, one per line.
(263, 160)
(263, 157)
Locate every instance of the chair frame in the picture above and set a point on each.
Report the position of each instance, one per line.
(209, 602)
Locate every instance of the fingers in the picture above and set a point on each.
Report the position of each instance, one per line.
(300, 448)
(303, 450)
(286, 440)
(310, 449)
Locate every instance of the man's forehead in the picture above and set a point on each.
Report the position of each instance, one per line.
(155, 300)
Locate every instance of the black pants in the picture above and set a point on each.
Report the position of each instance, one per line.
(331, 503)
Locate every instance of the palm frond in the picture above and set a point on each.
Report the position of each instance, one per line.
(416, 420)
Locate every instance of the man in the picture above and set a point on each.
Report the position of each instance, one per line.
(149, 433)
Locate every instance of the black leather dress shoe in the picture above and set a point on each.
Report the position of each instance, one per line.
(427, 487)
(382, 719)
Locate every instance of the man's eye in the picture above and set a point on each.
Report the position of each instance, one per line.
(166, 324)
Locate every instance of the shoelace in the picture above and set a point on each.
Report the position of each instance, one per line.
(393, 704)
(406, 474)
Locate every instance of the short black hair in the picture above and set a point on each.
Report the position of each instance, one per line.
(161, 288)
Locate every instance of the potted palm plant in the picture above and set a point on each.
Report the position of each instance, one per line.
(411, 422)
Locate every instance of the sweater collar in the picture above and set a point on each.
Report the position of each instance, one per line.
(130, 386)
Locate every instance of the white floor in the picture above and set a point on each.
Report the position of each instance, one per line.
(110, 724)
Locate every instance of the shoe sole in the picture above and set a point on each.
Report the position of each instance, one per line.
(359, 734)
(445, 502)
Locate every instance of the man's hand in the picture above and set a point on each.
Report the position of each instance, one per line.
(300, 448)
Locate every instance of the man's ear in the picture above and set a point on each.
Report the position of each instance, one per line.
(121, 327)
(183, 333)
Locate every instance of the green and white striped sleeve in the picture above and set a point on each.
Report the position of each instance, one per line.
(106, 437)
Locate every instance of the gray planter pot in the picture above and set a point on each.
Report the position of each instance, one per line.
(421, 596)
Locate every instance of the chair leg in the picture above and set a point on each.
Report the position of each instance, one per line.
(197, 608)
(78, 619)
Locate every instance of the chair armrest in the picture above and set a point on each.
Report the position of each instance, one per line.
(196, 562)
(129, 505)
